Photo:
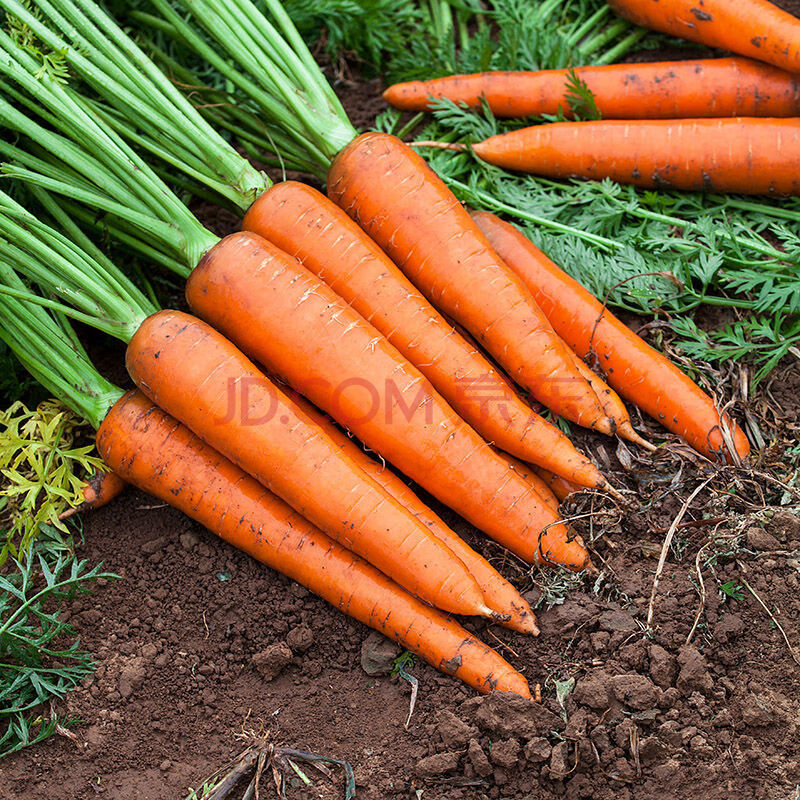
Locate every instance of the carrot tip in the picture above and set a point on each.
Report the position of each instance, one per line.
(615, 493)
(526, 624)
(627, 432)
(69, 512)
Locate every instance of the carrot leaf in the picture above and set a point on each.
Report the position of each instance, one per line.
(580, 98)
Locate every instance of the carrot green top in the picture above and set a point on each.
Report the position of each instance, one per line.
(46, 345)
(67, 265)
(60, 36)
(81, 157)
(266, 59)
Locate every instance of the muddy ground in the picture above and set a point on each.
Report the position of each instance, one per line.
(199, 647)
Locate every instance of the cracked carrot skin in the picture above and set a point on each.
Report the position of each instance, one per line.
(754, 28)
(200, 378)
(304, 223)
(157, 454)
(715, 87)
(301, 331)
(499, 594)
(391, 192)
(747, 155)
(641, 374)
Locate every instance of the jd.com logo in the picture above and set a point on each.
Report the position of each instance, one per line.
(356, 401)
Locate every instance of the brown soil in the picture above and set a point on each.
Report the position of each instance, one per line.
(184, 639)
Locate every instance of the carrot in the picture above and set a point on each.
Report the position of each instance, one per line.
(500, 595)
(304, 223)
(719, 87)
(390, 191)
(99, 490)
(561, 488)
(641, 374)
(744, 154)
(227, 401)
(613, 406)
(160, 456)
(284, 317)
(542, 488)
(754, 28)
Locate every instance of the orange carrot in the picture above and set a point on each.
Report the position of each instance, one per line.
(304, 223)
(201, 379)
(755, 28)
(284, 317)
(542, 487)
(613, 406)
(719, 87)
(639, 373)
(159, 455)
(99, 490)
(744, 154)
(500, 595)
(390, 191)
(561, 488)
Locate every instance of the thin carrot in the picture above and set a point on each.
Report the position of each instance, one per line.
(304, 223)
(561, 488)
(99, 490)
(542, 487)
(390, 191)
(284, 317)
(227, 401)
(500, 595)
(755, 28)
(744, 154)
(159, 455)
(641, 374)
(613, 406)
(718, 87)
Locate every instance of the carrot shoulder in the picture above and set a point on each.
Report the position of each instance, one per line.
(284, 317)
(201, 379)
(390, 191)
(640, 373)
(717, 87)
(159, 455)
(748, 155)
(755, 28)
(307, 225)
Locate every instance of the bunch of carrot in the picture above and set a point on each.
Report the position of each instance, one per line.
(721, 125)
(345, 300)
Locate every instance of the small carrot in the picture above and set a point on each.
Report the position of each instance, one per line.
(500, 595)
(717, 87)
(99, 490)
(755, 28)
(642, 375)
(542, 487)
(307, 225)
(284, 317)
(227, 401)
(748, 155)
(391, 192)
(613, 406)
(561, 488)
(159, 455)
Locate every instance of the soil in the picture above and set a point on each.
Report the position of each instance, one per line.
(198, 646)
